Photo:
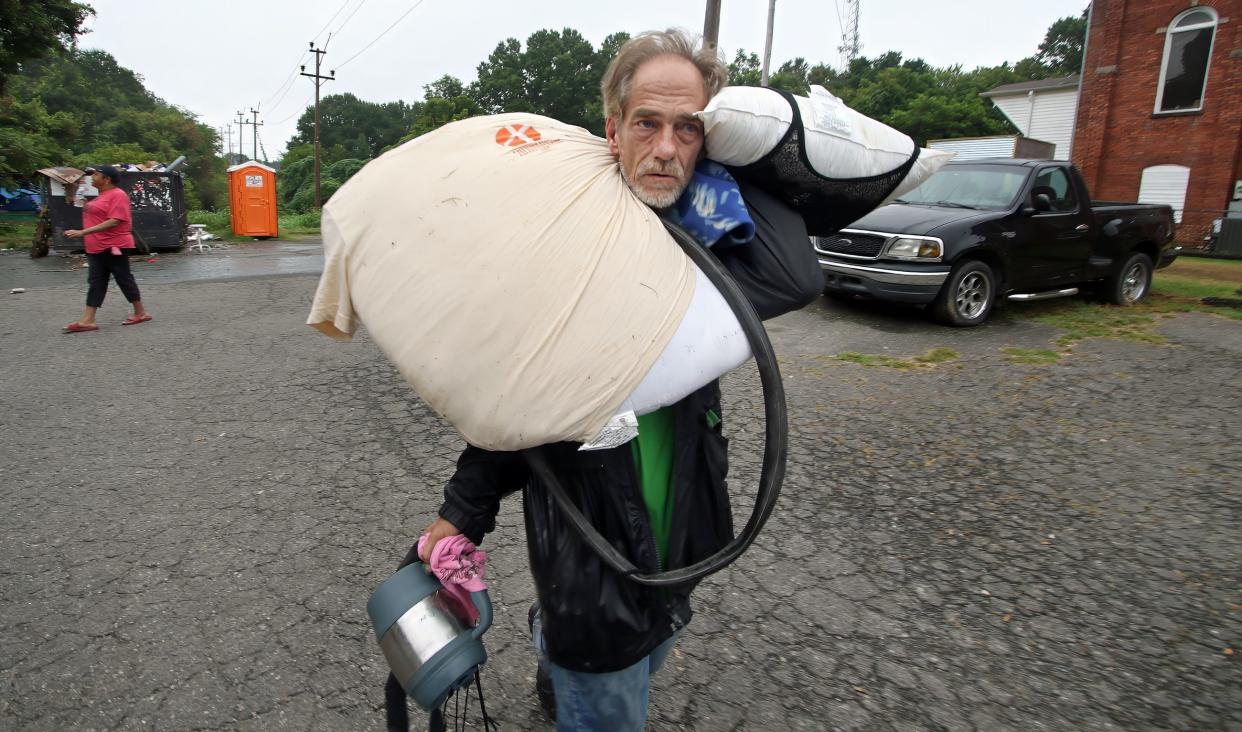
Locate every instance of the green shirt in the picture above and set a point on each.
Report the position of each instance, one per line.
(653, 461)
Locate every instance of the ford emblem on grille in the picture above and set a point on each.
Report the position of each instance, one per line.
(845, 242)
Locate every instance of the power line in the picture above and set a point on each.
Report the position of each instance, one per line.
(297, 111)
(293, 76)
(381, 35)
(325, 25)
(347, 19)
(288, 88)
(289, 80)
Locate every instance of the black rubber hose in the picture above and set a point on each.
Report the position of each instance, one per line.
(775, 448)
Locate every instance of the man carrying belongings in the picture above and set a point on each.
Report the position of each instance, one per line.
(660, 499)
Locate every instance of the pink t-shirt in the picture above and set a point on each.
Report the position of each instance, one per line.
(111, 204)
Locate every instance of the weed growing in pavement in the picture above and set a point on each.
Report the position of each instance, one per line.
(937, 355)
(932, 357)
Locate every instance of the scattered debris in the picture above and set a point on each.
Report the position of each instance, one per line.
(17, 290)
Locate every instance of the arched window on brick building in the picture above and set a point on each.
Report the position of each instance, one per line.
(1187, 54)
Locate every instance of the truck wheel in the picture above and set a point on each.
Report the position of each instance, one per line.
(967, 297)
(1131, 282)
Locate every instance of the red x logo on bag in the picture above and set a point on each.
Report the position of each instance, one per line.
(515, 135)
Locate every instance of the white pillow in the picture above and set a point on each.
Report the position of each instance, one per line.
(745, 123)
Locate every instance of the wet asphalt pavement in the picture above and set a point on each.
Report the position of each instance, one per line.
(197, 508)
(223, 262)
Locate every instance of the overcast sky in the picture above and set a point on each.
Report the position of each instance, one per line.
(215, 57)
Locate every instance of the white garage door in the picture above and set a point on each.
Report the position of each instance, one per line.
(1165, 184)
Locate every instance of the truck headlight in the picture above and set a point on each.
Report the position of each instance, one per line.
(906, 248)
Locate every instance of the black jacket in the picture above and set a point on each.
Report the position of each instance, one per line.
(594, 619)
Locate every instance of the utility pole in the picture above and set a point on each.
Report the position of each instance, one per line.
(318, 79)
(254, 127)
(711, 25)
(241, 136)
(228, 131)
(767, 45)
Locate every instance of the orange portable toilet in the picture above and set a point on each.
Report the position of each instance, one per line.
(252, 199)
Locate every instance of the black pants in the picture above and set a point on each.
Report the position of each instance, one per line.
(101, 266)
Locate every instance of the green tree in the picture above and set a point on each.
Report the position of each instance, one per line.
(745, 69)
(31, 29)
(445, 100)
(83, 106)
(25, 142)
(344, 118)
(435, 112)
(557, 75)
(1063, 46)
(792, 76)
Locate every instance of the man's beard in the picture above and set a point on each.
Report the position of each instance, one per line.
(657, 199)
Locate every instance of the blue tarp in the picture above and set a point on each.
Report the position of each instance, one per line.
(20, 199)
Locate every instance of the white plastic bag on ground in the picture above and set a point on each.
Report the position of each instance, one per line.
(505, 268)
(855, 163)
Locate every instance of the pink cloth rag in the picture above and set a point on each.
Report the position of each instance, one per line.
(457, 563)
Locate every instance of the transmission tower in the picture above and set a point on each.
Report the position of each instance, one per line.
(850, 46)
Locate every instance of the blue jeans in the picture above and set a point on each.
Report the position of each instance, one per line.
(616, 700)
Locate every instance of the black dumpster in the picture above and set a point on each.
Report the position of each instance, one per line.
(157, 201)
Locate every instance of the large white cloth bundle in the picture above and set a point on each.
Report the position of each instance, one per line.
(832, 164)
(503, 265)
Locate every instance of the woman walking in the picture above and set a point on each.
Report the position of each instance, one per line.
(107, 229)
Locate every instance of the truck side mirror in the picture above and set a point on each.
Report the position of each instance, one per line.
(1042, 202)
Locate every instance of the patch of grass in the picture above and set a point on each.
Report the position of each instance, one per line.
(16, 233)
(292, 226)
(1081, 320)
(1032, 356)
(295, 226)
(934, 356)
(1194, 279)
(1176, 289)
(937, 355)
(867, 359)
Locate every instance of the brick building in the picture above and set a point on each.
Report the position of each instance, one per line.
(1160, 110)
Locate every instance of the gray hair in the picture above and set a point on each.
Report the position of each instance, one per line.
(643, 47)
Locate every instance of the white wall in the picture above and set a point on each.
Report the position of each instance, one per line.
(1051, 118)
(973, 148)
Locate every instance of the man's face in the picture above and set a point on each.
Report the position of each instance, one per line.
(658, 140)
(98, 179)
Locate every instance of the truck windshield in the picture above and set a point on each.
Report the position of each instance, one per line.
(990, 187)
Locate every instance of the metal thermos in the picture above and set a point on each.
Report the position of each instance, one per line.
(431, 642)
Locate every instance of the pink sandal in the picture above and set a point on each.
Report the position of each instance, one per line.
(76, 327)
(135, 319)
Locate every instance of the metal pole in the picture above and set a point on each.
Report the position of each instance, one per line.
(254, 126)
(767, 45)
(711, 25)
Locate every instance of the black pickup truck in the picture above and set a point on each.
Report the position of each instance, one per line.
(982, 229)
